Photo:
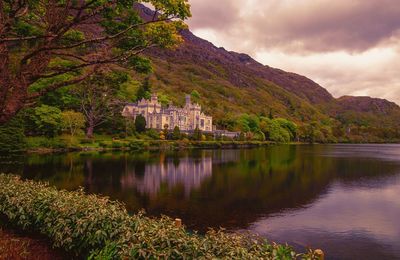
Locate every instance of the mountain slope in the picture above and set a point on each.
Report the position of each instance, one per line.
(233, 83)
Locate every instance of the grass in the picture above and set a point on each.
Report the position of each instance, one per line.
(104, 142)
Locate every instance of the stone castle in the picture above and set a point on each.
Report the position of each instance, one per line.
(187, 118)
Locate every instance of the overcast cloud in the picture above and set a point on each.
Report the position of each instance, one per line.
(350, 47)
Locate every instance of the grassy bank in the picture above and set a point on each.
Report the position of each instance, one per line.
(95, 227)
(68, 143)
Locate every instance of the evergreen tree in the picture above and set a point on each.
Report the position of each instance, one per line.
(140, 124)
(176, 135)
(144, 90)
(166, 132)
(197, 134)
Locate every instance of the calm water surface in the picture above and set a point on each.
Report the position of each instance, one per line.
(344, 199)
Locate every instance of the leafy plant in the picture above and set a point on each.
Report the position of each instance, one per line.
(98, 228)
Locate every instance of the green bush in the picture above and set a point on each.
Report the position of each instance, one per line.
(98, 228)
(135, 145)
(12, 138)
(118, 144)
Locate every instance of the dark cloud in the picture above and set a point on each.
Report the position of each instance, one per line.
(310, 25)
(350, 47)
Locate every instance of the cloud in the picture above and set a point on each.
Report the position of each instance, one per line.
(307, 25)
(349, 47)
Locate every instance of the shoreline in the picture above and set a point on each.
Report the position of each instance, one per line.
(151, 145)
(123, 145)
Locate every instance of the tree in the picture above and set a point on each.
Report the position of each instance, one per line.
(197, 134)
(47, 120)
(166, 131)
(12, 137)
(195, 96)
(45, 45)
(176, 134)
(97, 95)
(162, 135)
(140, 123)
(72, 121)
(273, 130)
(144, 91)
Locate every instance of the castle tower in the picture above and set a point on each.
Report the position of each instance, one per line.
(187, 98)
(154, 98)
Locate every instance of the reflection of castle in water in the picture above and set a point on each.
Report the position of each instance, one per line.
(188, 172)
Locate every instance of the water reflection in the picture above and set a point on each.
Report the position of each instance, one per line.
(186, 171)
(321, 195)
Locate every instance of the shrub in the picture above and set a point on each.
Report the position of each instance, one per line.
(118, 144)
(153, 134)
(98, 228)
(135, 145)
(12, 138)
(47, 120)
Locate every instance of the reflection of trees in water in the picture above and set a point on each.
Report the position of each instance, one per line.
(148, 178)
(229, 188)
(265, 181)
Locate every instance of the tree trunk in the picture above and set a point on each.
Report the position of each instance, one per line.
(89, 131)
(14, 99)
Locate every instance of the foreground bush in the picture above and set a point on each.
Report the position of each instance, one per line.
(98, 228)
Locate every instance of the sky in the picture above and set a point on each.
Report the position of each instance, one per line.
(350, 47)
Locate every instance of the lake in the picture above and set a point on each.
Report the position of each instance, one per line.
(344, 199)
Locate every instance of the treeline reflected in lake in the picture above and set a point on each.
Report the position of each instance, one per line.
(306, 195)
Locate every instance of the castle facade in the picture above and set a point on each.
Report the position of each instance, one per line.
(187, 118)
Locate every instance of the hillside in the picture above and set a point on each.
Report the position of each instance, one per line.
(232, 83)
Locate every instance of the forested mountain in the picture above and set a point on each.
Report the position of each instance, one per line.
(232, 83)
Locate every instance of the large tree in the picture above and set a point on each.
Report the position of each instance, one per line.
(48, 44)
(98, 98)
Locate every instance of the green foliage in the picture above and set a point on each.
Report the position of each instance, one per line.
(153, 134)
(176, 134)
(140, 64)
(290, 126)
(164, 100)
(275, 130)
(72, 121)
(144, 90)
(12, 137)
(140, 123)
(195, 96)
(248, 123)
(197, 134)
(38, 142)
(47, 120)
(98, 228)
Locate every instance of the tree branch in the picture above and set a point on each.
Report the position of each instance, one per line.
(57, 86)
(93, 40)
